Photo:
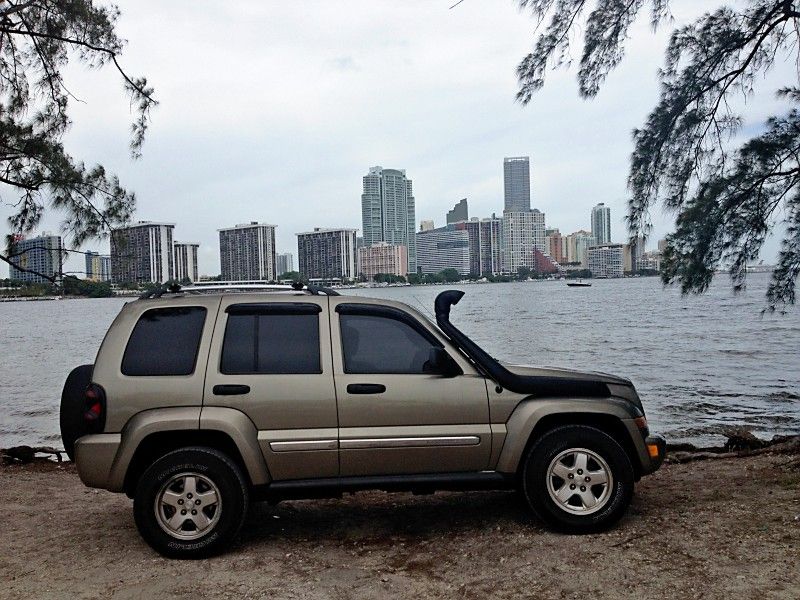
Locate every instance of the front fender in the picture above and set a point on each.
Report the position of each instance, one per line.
(529, 413)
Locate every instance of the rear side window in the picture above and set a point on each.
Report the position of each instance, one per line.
(271, 344)
(165, 341)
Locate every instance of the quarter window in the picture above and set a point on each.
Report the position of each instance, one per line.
(374, 344)
(165, 341)
(271, 344)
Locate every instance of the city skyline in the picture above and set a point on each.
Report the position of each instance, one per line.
(490, 245)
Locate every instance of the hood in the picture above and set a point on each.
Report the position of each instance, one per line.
(558, 372)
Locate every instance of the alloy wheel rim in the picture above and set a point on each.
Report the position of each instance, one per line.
(579, 481)
(188, 506)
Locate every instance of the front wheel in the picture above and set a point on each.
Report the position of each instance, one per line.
(190, 503)
(578, 479)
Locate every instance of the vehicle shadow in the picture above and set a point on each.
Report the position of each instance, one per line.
(375, 516)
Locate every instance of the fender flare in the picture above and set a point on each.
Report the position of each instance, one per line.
(529, 413)
(232, 422)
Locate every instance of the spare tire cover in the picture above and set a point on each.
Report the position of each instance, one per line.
(73, 404)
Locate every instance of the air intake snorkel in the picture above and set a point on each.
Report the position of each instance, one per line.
(524, 384)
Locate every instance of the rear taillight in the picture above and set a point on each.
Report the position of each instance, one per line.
(94, 412)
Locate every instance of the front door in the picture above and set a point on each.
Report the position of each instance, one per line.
(395, 416)
(275, 366)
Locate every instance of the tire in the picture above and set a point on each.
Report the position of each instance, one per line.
(165, 489)
(73, 403)
(554, 463)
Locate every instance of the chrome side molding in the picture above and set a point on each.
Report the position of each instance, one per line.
(295, 446)
(409, 442)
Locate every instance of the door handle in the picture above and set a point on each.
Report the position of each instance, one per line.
(366, 388)
(231, 390)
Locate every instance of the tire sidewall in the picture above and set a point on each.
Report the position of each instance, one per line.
(534, 478)
(211, 464)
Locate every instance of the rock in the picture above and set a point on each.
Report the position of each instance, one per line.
(742, 439)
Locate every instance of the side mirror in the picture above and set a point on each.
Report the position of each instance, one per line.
(441, 363)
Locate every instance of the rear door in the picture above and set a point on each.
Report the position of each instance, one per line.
(394, 417)
(271, 359)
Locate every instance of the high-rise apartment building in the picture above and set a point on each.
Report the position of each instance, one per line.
(43, 254)
(485, 245)
(98, 268)
(382, 258)
(443, 248)
(285, 263)
(601, 224)
(247, 252)
(554, 245)
(577, 244)
(387, 211)
(327, 254)
(517, 183)
(186, 261)
(142, 253)
(523, 232)
(460, 212)
(605, 260)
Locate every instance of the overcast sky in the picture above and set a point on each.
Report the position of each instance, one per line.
(273, 111)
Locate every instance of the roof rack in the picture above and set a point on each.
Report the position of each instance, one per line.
(231, 287)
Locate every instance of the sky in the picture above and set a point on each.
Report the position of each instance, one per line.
(273, 111)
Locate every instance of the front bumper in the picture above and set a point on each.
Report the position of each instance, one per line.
(656, 450)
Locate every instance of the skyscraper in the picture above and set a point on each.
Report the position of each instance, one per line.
(387, 211)
(142, 253)
(523, 232)
(485, 245)
(98, 268)
(186, 261)
(327, 254)
(443, 248)
(517, 183)
(382, 258)
(285, 262)
(605, 260)
(43, 254)
(601, 224)
(247, 252)
(460, 212)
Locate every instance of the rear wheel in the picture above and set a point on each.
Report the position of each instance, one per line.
(578, 479)
(191, 503)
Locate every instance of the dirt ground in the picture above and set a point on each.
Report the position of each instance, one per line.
(725, 528)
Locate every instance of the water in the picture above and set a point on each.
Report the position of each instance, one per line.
(699, 363)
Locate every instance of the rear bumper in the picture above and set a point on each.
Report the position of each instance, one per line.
(656, 451)
(94, 456)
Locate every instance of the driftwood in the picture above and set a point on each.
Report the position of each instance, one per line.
(27, 454)
(741, 442)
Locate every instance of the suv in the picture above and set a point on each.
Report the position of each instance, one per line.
(206, 397)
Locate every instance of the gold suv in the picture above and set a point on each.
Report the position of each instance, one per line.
(206, 397)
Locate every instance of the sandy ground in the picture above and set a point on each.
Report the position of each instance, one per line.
(727, 528)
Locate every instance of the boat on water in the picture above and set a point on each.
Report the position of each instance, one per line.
(579, 283)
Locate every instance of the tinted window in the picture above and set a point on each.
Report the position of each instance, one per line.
(373, 344)
(271, 344)
(165, 342)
